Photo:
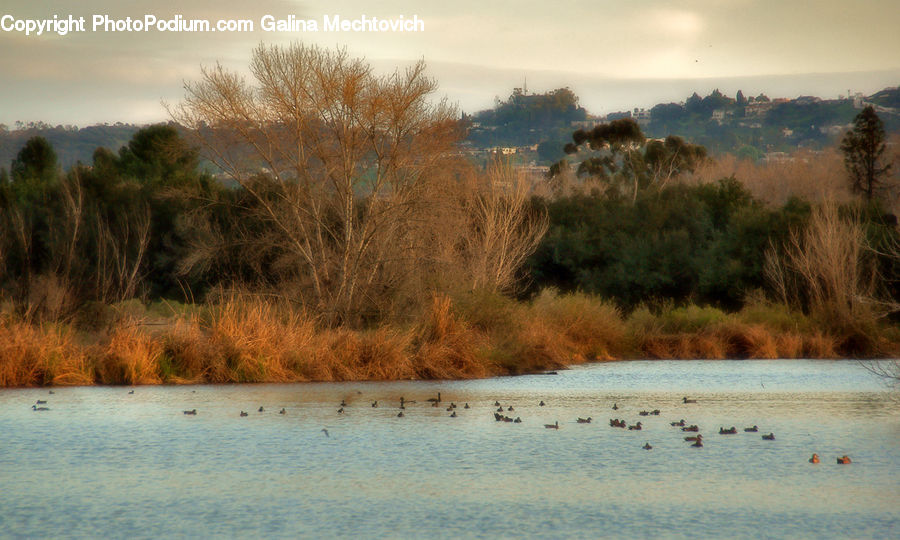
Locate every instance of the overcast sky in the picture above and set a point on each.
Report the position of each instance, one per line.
(613, 54)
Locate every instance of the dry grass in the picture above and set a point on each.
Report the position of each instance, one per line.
(810, 176)
(35, 355)
(250, 340)
(130, 356)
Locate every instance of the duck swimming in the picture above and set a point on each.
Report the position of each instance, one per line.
(679, 423)
(693, 428)
(541, 404)
(769, 437)
(843, 460)
(453, 414)
(615, 406)
(193, 412)
(686, 400)
(243, 413)
(753, 429)
(261, 409)
(647, 446)
(584, 420)
(698, 443)
(400, 414)
(282, 411)
(636, 427)
(36, 408)
(694, 438)
(731, 431)
(814, 458)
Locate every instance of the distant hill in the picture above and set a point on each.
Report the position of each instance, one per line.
(750, 125)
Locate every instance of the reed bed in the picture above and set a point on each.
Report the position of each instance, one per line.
(476, 335)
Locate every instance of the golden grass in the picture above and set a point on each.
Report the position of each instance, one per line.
(251, 340)
(129, 357)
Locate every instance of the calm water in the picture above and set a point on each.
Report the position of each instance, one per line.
(105, 463)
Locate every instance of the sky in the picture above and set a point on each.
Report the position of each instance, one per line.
(615, 55)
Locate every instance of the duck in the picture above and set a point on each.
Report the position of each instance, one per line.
(541, 404)
(496, 404)
(243, 413)
(554, 425)
(400, 414)
(41, 402)
(498, 417)
(814, 458)
(282, 411)
(636, 427)
(192, 411)
(261, 409)
(466, 406)
(36, 408)
(698, 443)
(452, 405)
(686, 400)
(375, 403)
(51, 392)
(517, 420)
(499, 409)
(615, 407)
(341, 410)
(584, 420)
(453, 414)
(678, 423)
(655, 412)
(131, 392)
(507, 419)
(730, 431)
(693, 428)
(843, 460)
(769, 437)
(449, 409)
(697, 437)
(753, 429)
(510, 408)
(644, 413)
(647, 446)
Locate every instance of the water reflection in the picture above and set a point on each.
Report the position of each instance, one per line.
(104, 462)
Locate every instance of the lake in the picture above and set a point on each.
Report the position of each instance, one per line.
(106, 463)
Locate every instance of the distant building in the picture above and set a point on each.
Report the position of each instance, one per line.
(758, 108)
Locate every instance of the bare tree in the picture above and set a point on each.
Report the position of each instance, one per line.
(345, 158)
(504, 229)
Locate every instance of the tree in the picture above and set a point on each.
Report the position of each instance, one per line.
(863, 148)
(35, 161)
(336, 159)
(619, 154)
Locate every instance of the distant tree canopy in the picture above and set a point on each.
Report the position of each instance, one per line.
(528, 118)
(863, 148)
(619, 154)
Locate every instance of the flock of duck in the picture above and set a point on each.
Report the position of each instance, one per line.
(696, 440)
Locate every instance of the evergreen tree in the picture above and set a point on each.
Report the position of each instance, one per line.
(863, 148)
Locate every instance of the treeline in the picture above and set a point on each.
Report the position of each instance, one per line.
(706, 244)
